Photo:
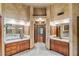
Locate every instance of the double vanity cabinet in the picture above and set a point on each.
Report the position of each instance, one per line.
(60, 46)
(16, 47)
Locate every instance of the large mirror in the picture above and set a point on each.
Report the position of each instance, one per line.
(14, 29)
(60, 28)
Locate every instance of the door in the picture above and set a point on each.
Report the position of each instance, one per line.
(0, 36)
(78, 35)
(39, 33)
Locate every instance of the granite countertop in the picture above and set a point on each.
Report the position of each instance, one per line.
(16, 40)
(56, 38)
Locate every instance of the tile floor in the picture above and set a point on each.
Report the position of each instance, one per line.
(38, 50)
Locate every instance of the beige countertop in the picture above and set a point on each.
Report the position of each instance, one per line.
(56, 38)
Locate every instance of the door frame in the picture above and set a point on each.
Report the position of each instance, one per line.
(35, 25)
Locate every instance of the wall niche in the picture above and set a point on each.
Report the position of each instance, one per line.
(39, 12)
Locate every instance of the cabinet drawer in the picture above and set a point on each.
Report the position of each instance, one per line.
(11, 48)
(10, 44)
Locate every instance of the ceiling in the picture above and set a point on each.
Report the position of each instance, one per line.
(38, 4)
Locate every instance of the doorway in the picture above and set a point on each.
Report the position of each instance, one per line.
(39, 33)
(78, 35)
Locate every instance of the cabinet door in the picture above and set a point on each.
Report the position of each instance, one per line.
(57, 47)
(10, 48)
(65, 50)
(27, 44)
(52, 44)
(23, 45)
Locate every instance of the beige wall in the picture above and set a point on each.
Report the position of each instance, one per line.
(48, 27)
(57, 8)
(31, 27)
(0, 8)
(17, 11)
(75, 13)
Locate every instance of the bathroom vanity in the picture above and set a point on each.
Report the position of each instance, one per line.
(16, 46)
(16, 36)
(60, 46)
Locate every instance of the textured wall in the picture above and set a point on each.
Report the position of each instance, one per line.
(17, 11)
(57, 8)
(0, 8)
(0, 30)
(75, 13)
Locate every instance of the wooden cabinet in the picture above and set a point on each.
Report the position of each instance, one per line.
(59, 46)
(13, 48)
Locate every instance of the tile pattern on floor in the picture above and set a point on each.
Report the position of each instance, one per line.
(38, 50)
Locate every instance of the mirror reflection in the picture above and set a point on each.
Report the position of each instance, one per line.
(15, 30)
